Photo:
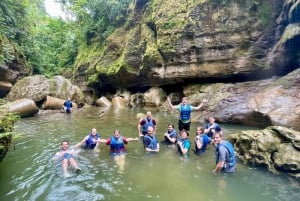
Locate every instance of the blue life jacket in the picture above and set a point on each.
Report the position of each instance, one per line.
(185, 112)
(89, 143)
(116, 144)
(186, 144)
(68, 104)
(205, 141)
(231, 161)
(148, 122)
(173, 134)
(153, 142)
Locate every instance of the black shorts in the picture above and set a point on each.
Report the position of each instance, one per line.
(185, 126)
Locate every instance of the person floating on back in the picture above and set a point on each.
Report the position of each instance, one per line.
(68, 106)
(225, 156)
(67, 156)
(185, 110)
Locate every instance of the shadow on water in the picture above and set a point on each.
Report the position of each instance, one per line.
(28, 173)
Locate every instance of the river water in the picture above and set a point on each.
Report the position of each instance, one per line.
(28, 173)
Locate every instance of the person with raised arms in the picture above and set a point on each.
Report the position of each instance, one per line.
(185, 110)
(117, 144)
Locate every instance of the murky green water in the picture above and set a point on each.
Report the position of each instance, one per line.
(28, 173)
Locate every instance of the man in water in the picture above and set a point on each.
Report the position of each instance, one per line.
(150, 141)
(117, 147)
(225, 156)
(211, 127)
(185, 110)
(144, 123)
(170, 135)
(91, 141)
(66, 155)
(68, 106)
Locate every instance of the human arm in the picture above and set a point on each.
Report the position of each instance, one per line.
(153, 150)
(221, 159)
(167, 135)
(139, 128)
(78, 145)
(203, 102)
(170, 103)
(132, 139)
(199, 142)
(184, 150)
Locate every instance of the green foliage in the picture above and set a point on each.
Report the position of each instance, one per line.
(265, 13)
(97, 19)
(55, 47)
(7, 122)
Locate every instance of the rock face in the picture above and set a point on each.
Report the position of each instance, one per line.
(38, 87)
(12, 68)
(274, 147)
(261, 103)
(167, 42)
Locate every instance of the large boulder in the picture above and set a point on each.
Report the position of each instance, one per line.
(259, 103)
(272, 147)
(38, 87)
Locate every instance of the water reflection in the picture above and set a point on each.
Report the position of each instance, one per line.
(28, 173)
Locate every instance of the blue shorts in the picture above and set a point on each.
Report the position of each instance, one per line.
(67, 156)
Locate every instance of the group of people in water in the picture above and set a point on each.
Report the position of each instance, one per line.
(210, 134)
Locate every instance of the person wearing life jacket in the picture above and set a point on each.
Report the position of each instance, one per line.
(201, 141)
(170, 135)
(211, 127)
(117, 147)
(144, 123)
(68, 106)
(184, 143)
(91, 141)
(225, 156)
(150, 141)
(67, 156)
(185, 110)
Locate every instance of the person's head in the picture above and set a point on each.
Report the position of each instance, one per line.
(94, 131)
(149, 115)
(217, 138)
(69, 98)
(117, 133)
(184, 100)
(150, 130)
(184, 134)
(65, 144)
(199, 130)
(211, 120)
(170, 127)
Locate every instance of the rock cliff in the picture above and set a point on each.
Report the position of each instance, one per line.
(179, 41)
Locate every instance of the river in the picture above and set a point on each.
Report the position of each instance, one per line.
(28, 172)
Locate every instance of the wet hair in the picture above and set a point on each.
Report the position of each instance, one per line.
(171, 125)
(218, 133)
(67, 141)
